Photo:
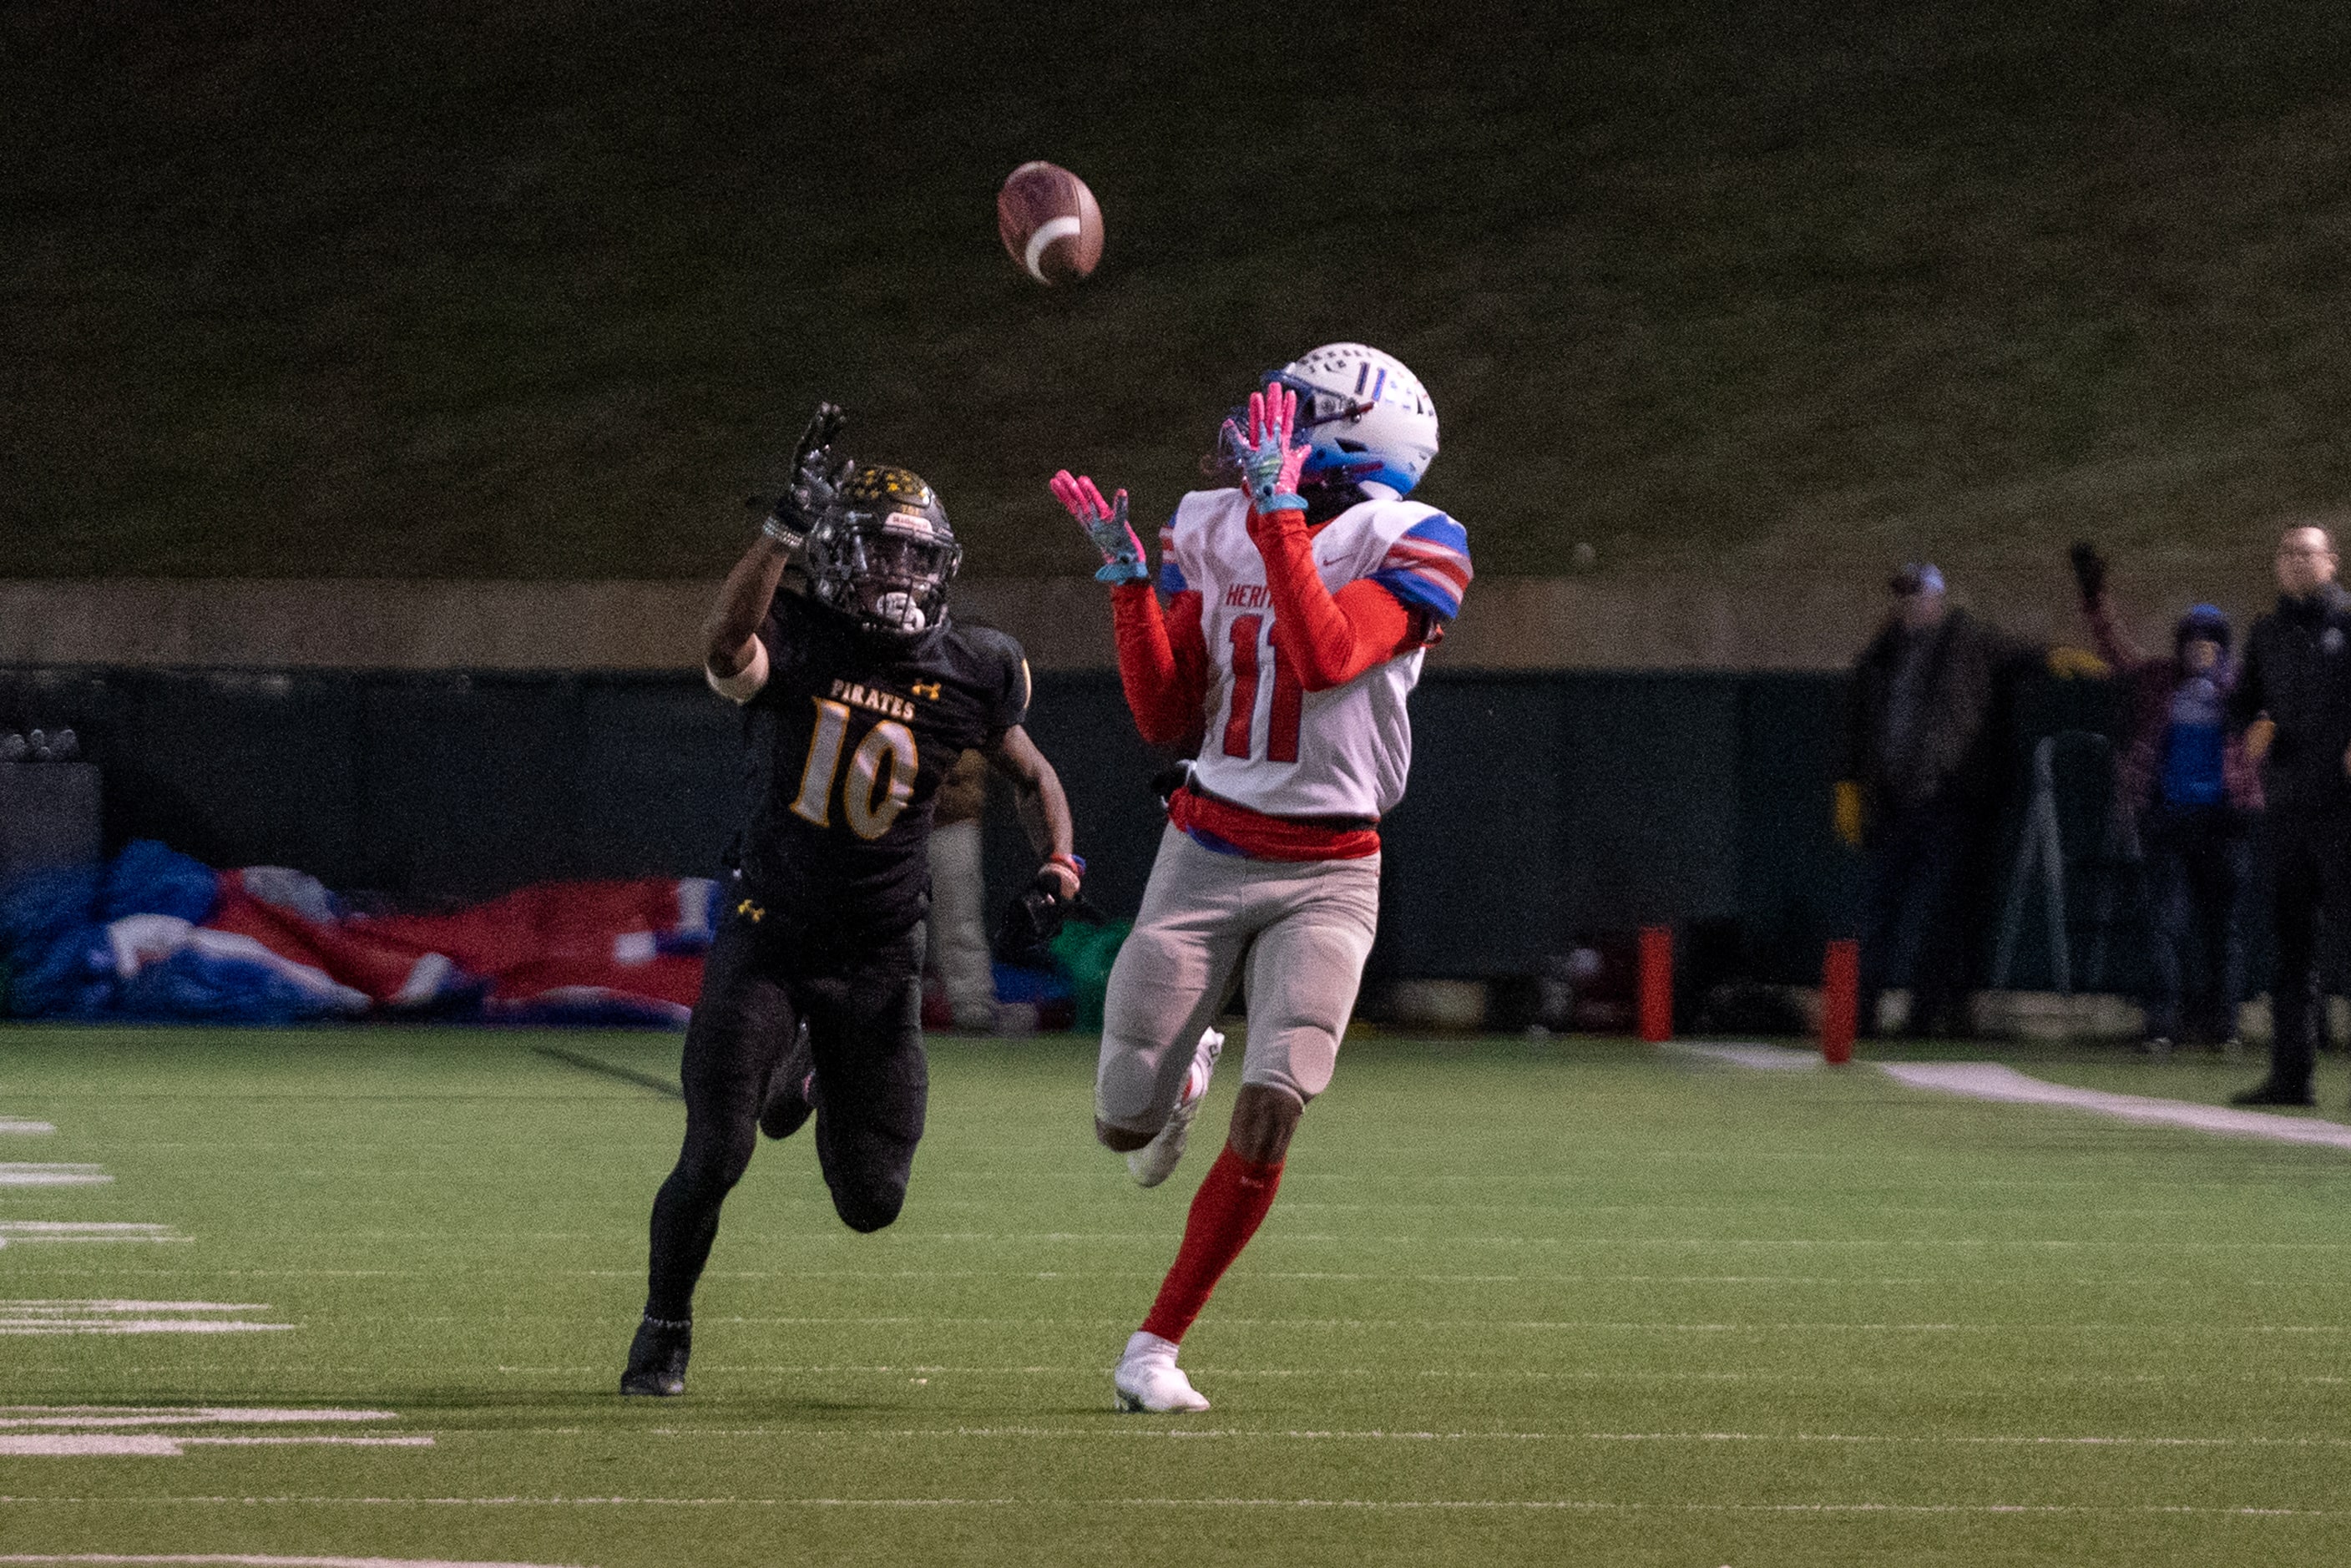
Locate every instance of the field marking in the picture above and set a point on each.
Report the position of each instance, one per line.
(1549, 1325)
(1114, 1428)
(116, 1317)
(1762, 1058)
(258, 1562)
(1365, 1504)
(16, 1231)
(19, 1125)
(51, 1416)
(1995, 1081)
(2022, 1441)
(100, 1431)
(1901, 1378)
(26, 1172)
(172, 1446)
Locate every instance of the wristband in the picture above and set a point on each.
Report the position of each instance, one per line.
(783, 533)
(1075, 865)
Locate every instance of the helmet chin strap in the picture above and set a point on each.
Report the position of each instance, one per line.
(1377, 491)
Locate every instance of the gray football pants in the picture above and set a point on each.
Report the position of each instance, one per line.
(1296, 932)
(959, 926)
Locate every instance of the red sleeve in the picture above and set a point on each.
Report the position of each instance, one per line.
(1163, 660)
(1329, 640)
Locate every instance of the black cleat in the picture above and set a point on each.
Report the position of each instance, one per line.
(2269, 1091)
(791, 1092)
(657, 1358)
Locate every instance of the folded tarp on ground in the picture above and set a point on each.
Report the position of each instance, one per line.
(155, 935)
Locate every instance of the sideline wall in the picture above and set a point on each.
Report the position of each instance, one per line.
(1542, 804)
(1617, 620)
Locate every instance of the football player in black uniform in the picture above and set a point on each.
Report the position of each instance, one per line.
(860, 694)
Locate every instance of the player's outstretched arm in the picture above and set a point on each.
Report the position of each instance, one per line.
(732, 654)
(731, 650)
(1043, 804)
(1162, 658)
(1328, 639)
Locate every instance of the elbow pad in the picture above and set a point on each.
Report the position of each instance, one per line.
(745, 683)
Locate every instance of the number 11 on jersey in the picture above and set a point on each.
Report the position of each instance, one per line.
(1289, 699)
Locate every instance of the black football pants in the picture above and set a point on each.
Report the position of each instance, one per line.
(864, 1005)
(2307, 877)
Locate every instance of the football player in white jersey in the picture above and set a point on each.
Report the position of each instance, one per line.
(1299, 603)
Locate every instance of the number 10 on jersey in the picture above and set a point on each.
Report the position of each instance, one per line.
(881, 774)
(1251, 634)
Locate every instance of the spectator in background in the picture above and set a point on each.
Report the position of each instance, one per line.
(2293, 701)
(2192, 789)
(959, 898)
(1921, 792)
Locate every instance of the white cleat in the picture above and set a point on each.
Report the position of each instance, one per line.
(1147, 1378)
(1155, 1161)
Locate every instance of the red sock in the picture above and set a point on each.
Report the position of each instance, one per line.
(1226, 1212)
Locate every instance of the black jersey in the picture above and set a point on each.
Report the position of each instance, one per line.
(848, 741)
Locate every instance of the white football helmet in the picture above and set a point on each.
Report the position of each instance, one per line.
(1368, 417)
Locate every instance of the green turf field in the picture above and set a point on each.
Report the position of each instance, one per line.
(1520, 1302)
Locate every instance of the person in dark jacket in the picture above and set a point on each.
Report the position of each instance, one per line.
(2295, 700)
(2192, 789)
(1921, 791)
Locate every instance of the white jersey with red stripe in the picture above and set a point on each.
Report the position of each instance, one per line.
(1270, 744)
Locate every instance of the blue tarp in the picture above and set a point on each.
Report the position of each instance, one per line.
(61, 964)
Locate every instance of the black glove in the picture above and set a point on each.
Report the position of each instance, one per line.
(1024, 937)
(2089, 570)
(816, 474)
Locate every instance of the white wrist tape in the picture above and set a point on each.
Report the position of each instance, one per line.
(744, 684)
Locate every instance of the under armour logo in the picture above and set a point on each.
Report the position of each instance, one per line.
(926, 689)
(751, 909)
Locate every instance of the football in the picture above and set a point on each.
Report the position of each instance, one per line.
(1051, 227)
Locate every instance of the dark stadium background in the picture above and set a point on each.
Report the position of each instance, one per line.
(1750, 303)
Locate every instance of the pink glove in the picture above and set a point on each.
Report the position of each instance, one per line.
(1105, 523)
(1269, 465)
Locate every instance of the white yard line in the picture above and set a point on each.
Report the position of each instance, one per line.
(99, 1431)
(1113, 1429)
(1994, 1082)
(19, 1125)
(1763, 1058)
(49, 1416)
(23, 1173)
(18, 1231)
(171, 1446)
(1903, 1377)
(247, 1559)
(2003, 1084)
(116, 1317)
(1563, 1505)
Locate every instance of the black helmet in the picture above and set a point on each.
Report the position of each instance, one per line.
(881, 551)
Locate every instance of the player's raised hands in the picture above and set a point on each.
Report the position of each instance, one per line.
(816, 475)
(816, 471)
(1269, 463)
(1105, 524)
